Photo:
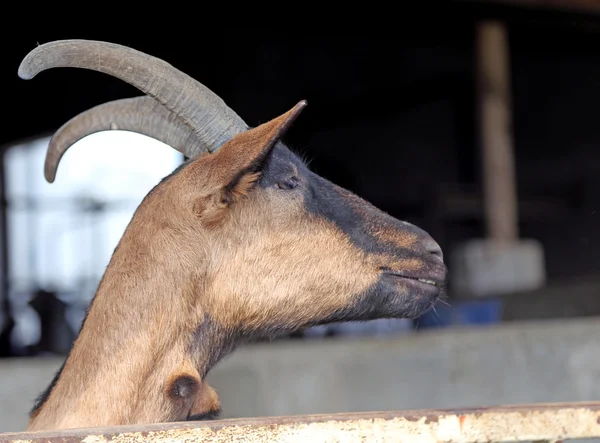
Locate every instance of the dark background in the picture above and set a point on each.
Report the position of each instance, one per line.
(391, 115)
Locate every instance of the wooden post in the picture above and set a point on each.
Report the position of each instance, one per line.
(493, 94)
(519, 423)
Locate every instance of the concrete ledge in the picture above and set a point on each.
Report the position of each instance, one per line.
(513, 363)
(537, 422)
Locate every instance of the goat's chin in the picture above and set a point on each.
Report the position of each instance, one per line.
(390, 297)
(398, 297)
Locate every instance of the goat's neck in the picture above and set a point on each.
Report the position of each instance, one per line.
(142, 327)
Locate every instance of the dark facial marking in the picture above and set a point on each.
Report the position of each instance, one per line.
(368, 227)
(401, 252)
(283, 169)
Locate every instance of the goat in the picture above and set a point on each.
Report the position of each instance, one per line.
(241, 241)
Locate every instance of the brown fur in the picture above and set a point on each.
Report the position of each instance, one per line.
(161, 258)
(205, 258)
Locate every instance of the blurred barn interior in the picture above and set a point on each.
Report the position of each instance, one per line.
(425, 119)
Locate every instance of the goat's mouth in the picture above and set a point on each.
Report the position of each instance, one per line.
(430, 283)
(406, 294)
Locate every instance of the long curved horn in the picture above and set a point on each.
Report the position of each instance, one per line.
(143, 115)
(211, 119)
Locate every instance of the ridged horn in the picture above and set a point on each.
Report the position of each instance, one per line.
(143, 115)
(206, 113)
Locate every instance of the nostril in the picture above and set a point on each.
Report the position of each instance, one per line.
(434, 249)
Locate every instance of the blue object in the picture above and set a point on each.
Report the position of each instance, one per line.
(472, 312)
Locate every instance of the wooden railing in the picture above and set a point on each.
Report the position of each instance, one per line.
(536, 423)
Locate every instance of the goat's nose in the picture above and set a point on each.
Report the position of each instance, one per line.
(434, 249)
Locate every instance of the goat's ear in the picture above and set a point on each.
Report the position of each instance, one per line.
(241, 158)
(239, 161)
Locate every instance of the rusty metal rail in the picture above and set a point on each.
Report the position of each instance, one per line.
(536, 422)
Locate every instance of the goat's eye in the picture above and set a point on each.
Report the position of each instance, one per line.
(288, 183)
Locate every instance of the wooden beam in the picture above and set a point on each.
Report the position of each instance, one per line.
(536, 422)
(493, 93)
